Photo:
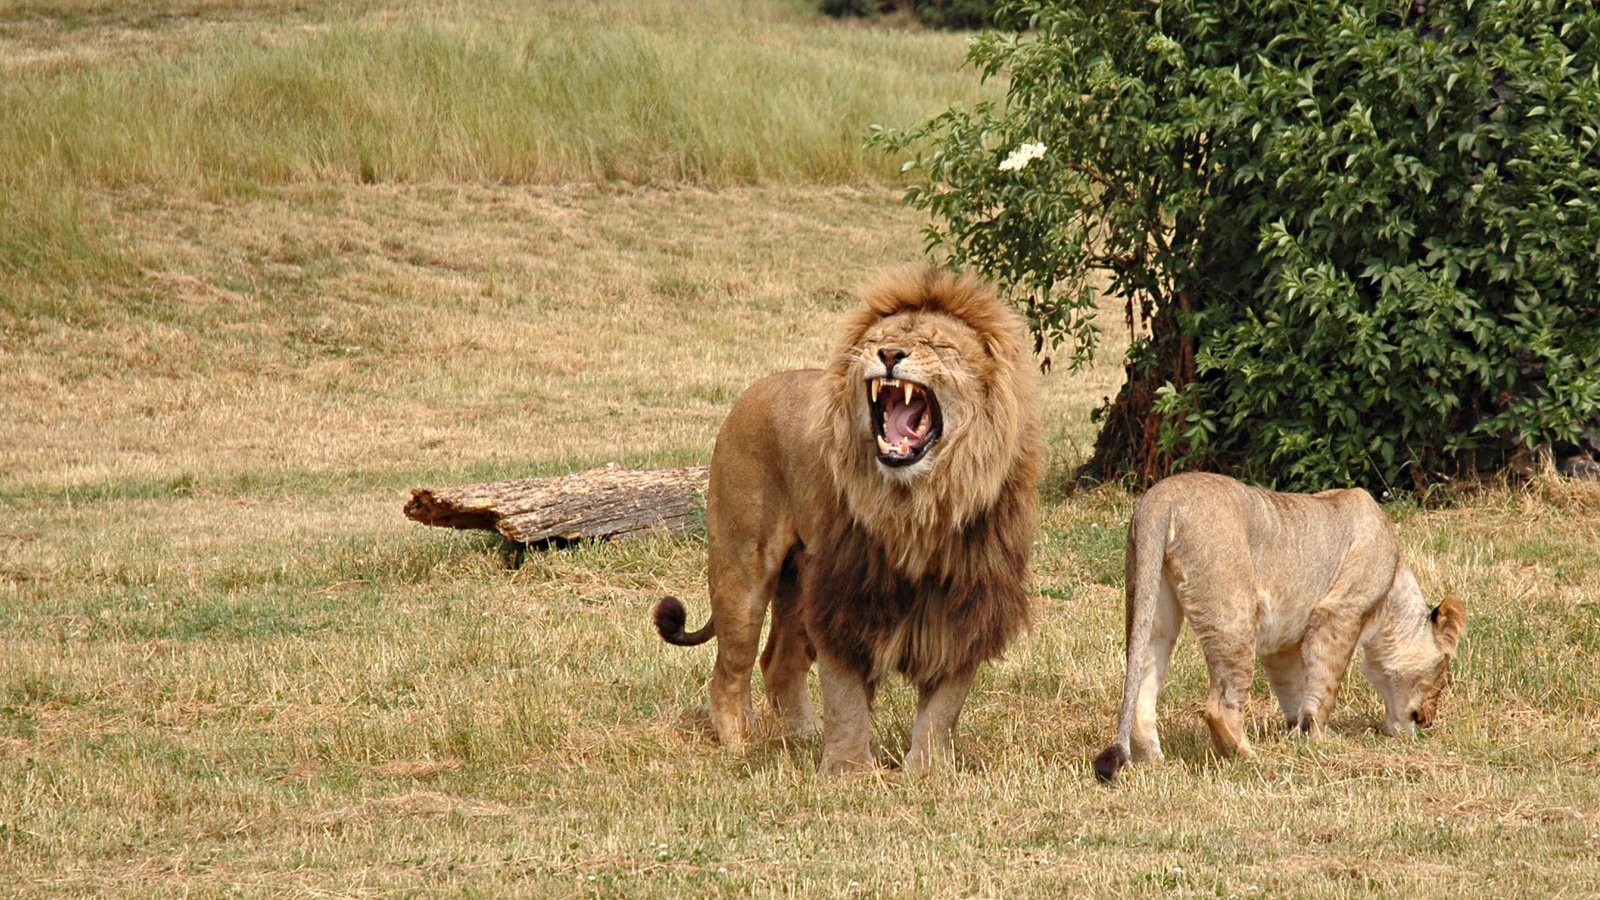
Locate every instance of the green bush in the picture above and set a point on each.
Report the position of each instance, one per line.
(1366, 242)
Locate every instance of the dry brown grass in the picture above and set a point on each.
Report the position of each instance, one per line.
(503, 318)
(229, 665)
(511, 319)
(53, 35)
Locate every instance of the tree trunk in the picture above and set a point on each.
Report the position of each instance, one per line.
(1128, 445)
(601, 502)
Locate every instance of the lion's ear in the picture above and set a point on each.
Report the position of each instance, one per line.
(1449, 619)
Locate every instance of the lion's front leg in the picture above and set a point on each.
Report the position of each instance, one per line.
(846, 716)
(933, 732)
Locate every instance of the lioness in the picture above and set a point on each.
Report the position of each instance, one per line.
(884, 508)
(1299, 580)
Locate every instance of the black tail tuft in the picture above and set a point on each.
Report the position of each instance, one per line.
(1109, 761)
(670, 617)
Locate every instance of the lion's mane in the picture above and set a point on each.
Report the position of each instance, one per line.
(928, 576)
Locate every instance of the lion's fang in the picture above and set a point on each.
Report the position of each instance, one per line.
(876, 385)
(905, 446)
(883, 445)
(908, 392)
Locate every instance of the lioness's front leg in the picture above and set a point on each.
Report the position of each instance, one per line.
(1326, 654)
(1287, 675)
(846, 716)
(932, 734)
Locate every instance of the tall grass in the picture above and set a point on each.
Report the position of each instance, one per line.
(728, 93)
(43, 237)
(430, 102)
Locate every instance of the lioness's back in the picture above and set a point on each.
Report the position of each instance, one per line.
(1208, 497)
(1278, 545)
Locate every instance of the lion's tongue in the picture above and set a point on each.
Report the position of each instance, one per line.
(903, 419)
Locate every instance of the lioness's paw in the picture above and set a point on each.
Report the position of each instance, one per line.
(838, 767)
(806, 729)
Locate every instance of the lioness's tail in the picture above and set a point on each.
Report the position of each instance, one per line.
(670, 617)
(1144, 555)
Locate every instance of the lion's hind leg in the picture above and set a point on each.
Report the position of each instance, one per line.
(788, 658)
(740, 592)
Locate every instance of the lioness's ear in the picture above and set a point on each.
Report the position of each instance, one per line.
(1449, 619)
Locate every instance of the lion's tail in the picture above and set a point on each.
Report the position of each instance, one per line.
(1145, 551)
(670, 619)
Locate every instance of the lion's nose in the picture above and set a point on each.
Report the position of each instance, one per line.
(890, 356)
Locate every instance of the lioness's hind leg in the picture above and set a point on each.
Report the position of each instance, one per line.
(1164, 631)
(787, 660)
(1287, 675)
(1230, 660)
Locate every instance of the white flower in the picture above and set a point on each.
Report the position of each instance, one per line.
(1021, 156)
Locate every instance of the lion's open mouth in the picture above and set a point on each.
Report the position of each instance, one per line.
(905, 419)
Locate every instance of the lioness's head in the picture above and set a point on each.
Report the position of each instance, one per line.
(929, 402)
(1415, 672)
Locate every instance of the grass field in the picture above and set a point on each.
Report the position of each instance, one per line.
(228, 345)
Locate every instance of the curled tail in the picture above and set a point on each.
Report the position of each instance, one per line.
(1147, 538)
(1110, 761)
(670, 618)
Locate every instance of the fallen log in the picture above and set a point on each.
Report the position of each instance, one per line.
(601, 502)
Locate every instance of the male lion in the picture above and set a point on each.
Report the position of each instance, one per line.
(884, 508)
(1299, 580)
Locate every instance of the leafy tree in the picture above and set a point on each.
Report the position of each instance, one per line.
(1365, 236)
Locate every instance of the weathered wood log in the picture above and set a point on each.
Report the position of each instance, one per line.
(601, 502)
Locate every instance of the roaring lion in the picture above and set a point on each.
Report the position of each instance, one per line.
(1299, 580)
(883, 507)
